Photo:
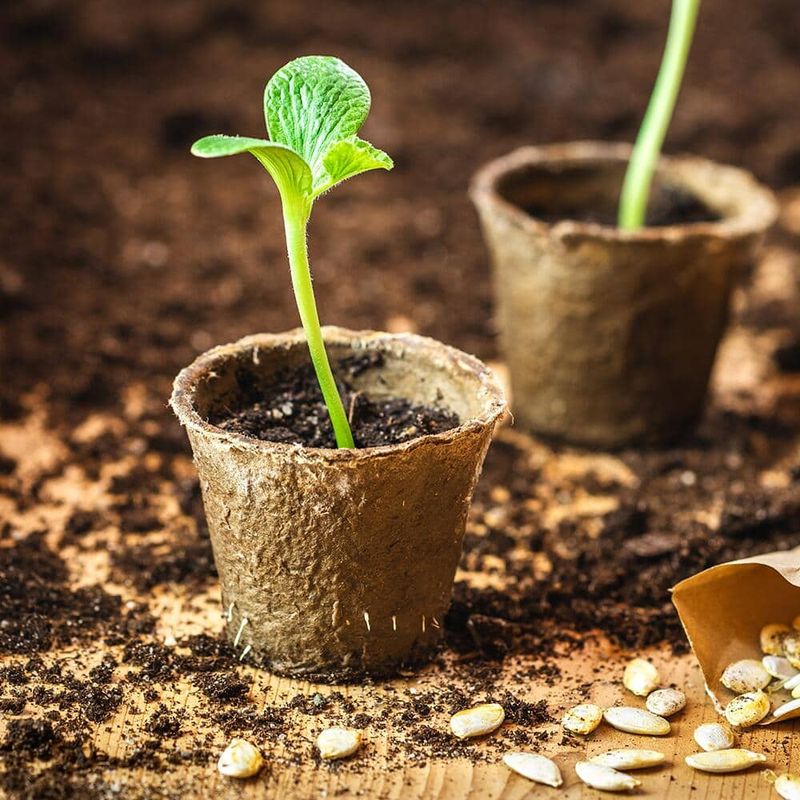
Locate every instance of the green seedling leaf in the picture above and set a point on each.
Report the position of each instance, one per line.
(313, 102)
(285, 167)
(343, 160)
(314, 107)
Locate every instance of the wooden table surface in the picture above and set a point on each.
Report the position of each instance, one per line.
(384, 768)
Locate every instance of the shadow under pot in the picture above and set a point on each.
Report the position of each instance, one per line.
(610, 335)
(337, 564)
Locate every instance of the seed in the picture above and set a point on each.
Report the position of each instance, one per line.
(478, 720)
(791, 649)
(779, 667)
(787, 786)
(771, 638)
(240, 759)
(335, 743)
(786, 710)
(665, 702)
(792, 683)
(796, 691)
(747, 675)
(714, 736)
(747, 709)
(583, 718)
(725, 760)
(628, 758)
(636, 720)
(535, 768)
(640, 677)
(604, 778)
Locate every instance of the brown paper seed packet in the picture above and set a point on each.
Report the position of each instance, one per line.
(723, 609)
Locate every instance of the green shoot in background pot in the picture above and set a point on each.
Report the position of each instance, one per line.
(639, 174)
(313, 107)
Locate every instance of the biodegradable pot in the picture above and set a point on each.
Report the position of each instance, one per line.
(335, 564)
(610, 335)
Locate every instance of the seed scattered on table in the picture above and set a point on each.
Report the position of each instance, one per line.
(606, 779)
(747, 675)
(335, 743)
(747, 709)
(771, 638)
(636, 720)
(714, 736)
(583, 718)
(641, 677)
(725, 760)
(628, 758)
(783, 711)
(535, 768)
(478, 720)
(787, 786)
(665, 702)
(240, 759)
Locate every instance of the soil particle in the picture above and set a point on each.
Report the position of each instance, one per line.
(291, 410)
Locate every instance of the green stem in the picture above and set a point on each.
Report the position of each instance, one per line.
(295, 220)
(639, 175)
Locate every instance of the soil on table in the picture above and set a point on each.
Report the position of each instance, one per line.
(123, 257)
(291, 410)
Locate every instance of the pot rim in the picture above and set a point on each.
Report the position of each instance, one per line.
(757, 210)
(490, 391)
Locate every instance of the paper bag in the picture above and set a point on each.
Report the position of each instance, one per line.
(723, 609)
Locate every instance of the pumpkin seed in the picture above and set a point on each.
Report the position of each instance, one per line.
(335, 743)
(636, 720)
(665, 702)
(478, 720)
(583, 718)
(628, 758)
(792, 683)
(771, 638)
(535, 768)
(604, 778)
(714, 736)
(240, 759)
(747, 709)
(791, 649)
(783, 711)
(779, 667)
(747, 675)
(640, 677)
(787, 786)
(725, 760)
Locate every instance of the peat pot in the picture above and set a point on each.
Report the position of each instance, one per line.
(610, 335)
(336, 564)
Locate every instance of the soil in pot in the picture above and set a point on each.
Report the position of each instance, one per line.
(290, 409)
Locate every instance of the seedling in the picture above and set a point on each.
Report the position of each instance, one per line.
(639, 175)
(313, 107)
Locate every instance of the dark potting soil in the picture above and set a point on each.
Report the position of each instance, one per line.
(669, 206)
(291, 410)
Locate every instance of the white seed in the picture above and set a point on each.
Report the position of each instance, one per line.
(665, 702)
(787, 786)
(628, 758)
(725, 760)
(640, 677)
(583, 718)
(771, 638)
(792, 683)
(779, 667)
(791, 649)
(786, 710)
(478, 720)
(240, 759)
(535, 768)
(747, 709)
(714, 736)
(636, 720)
(747, 675)
(796, 692)
(335, 743)
(606, 779)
